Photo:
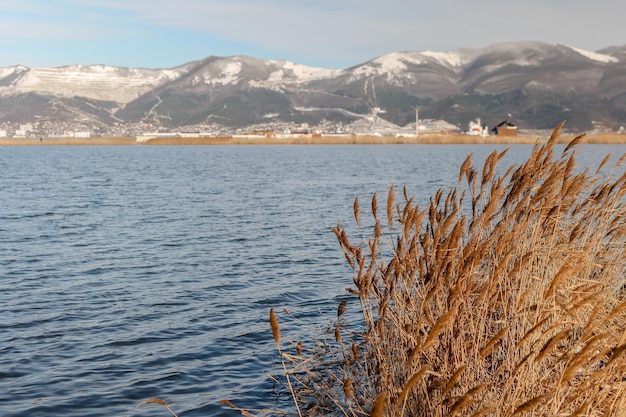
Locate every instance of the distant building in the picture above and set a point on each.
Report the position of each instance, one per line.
(505, 128)
(477, 129)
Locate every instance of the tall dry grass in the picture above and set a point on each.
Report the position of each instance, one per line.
(505, 296)
(424, 139)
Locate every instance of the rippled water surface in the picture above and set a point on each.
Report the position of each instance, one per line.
(140, 271)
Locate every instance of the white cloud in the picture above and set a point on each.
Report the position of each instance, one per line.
(56, 19)
(343, 30)
(344, 25)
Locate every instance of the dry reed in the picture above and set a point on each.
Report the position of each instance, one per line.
(504, 296)
(425, 139)
(160, 402)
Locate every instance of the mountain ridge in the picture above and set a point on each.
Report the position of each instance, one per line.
(538, 83)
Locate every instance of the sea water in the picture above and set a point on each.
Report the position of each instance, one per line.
(137, 272)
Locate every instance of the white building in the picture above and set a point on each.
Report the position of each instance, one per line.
(477, 129)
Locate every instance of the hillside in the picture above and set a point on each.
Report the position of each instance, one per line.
(538, 84)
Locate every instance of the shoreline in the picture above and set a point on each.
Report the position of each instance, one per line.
(430, 139)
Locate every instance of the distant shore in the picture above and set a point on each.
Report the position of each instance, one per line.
(427, 139)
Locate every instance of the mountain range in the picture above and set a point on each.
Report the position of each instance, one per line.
(535, 84)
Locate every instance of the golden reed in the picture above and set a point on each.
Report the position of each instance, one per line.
(426, 139)
(504, 296)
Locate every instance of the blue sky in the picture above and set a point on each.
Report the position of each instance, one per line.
(323, 33)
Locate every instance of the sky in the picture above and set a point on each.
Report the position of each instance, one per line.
(334, 34)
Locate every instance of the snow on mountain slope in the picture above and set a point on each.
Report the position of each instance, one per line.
(394, 65)
(605, 59)
(270, 74)
(98, 82)
(618, 52)
(398, 66)
(8, 71)
(8, 75)
(222, 72)
(304, 73)
(453, 59)
(286, 73)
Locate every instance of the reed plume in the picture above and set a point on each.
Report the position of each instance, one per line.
(503, 296)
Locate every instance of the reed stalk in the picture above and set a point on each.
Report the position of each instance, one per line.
(504, 296)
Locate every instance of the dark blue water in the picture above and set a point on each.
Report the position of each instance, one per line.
(134, 272)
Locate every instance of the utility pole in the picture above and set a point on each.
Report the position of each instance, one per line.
(417, 123)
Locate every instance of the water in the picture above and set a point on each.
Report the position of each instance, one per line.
(134, 272)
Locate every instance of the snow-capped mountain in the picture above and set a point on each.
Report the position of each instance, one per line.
(98, 82)
(539, 84)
